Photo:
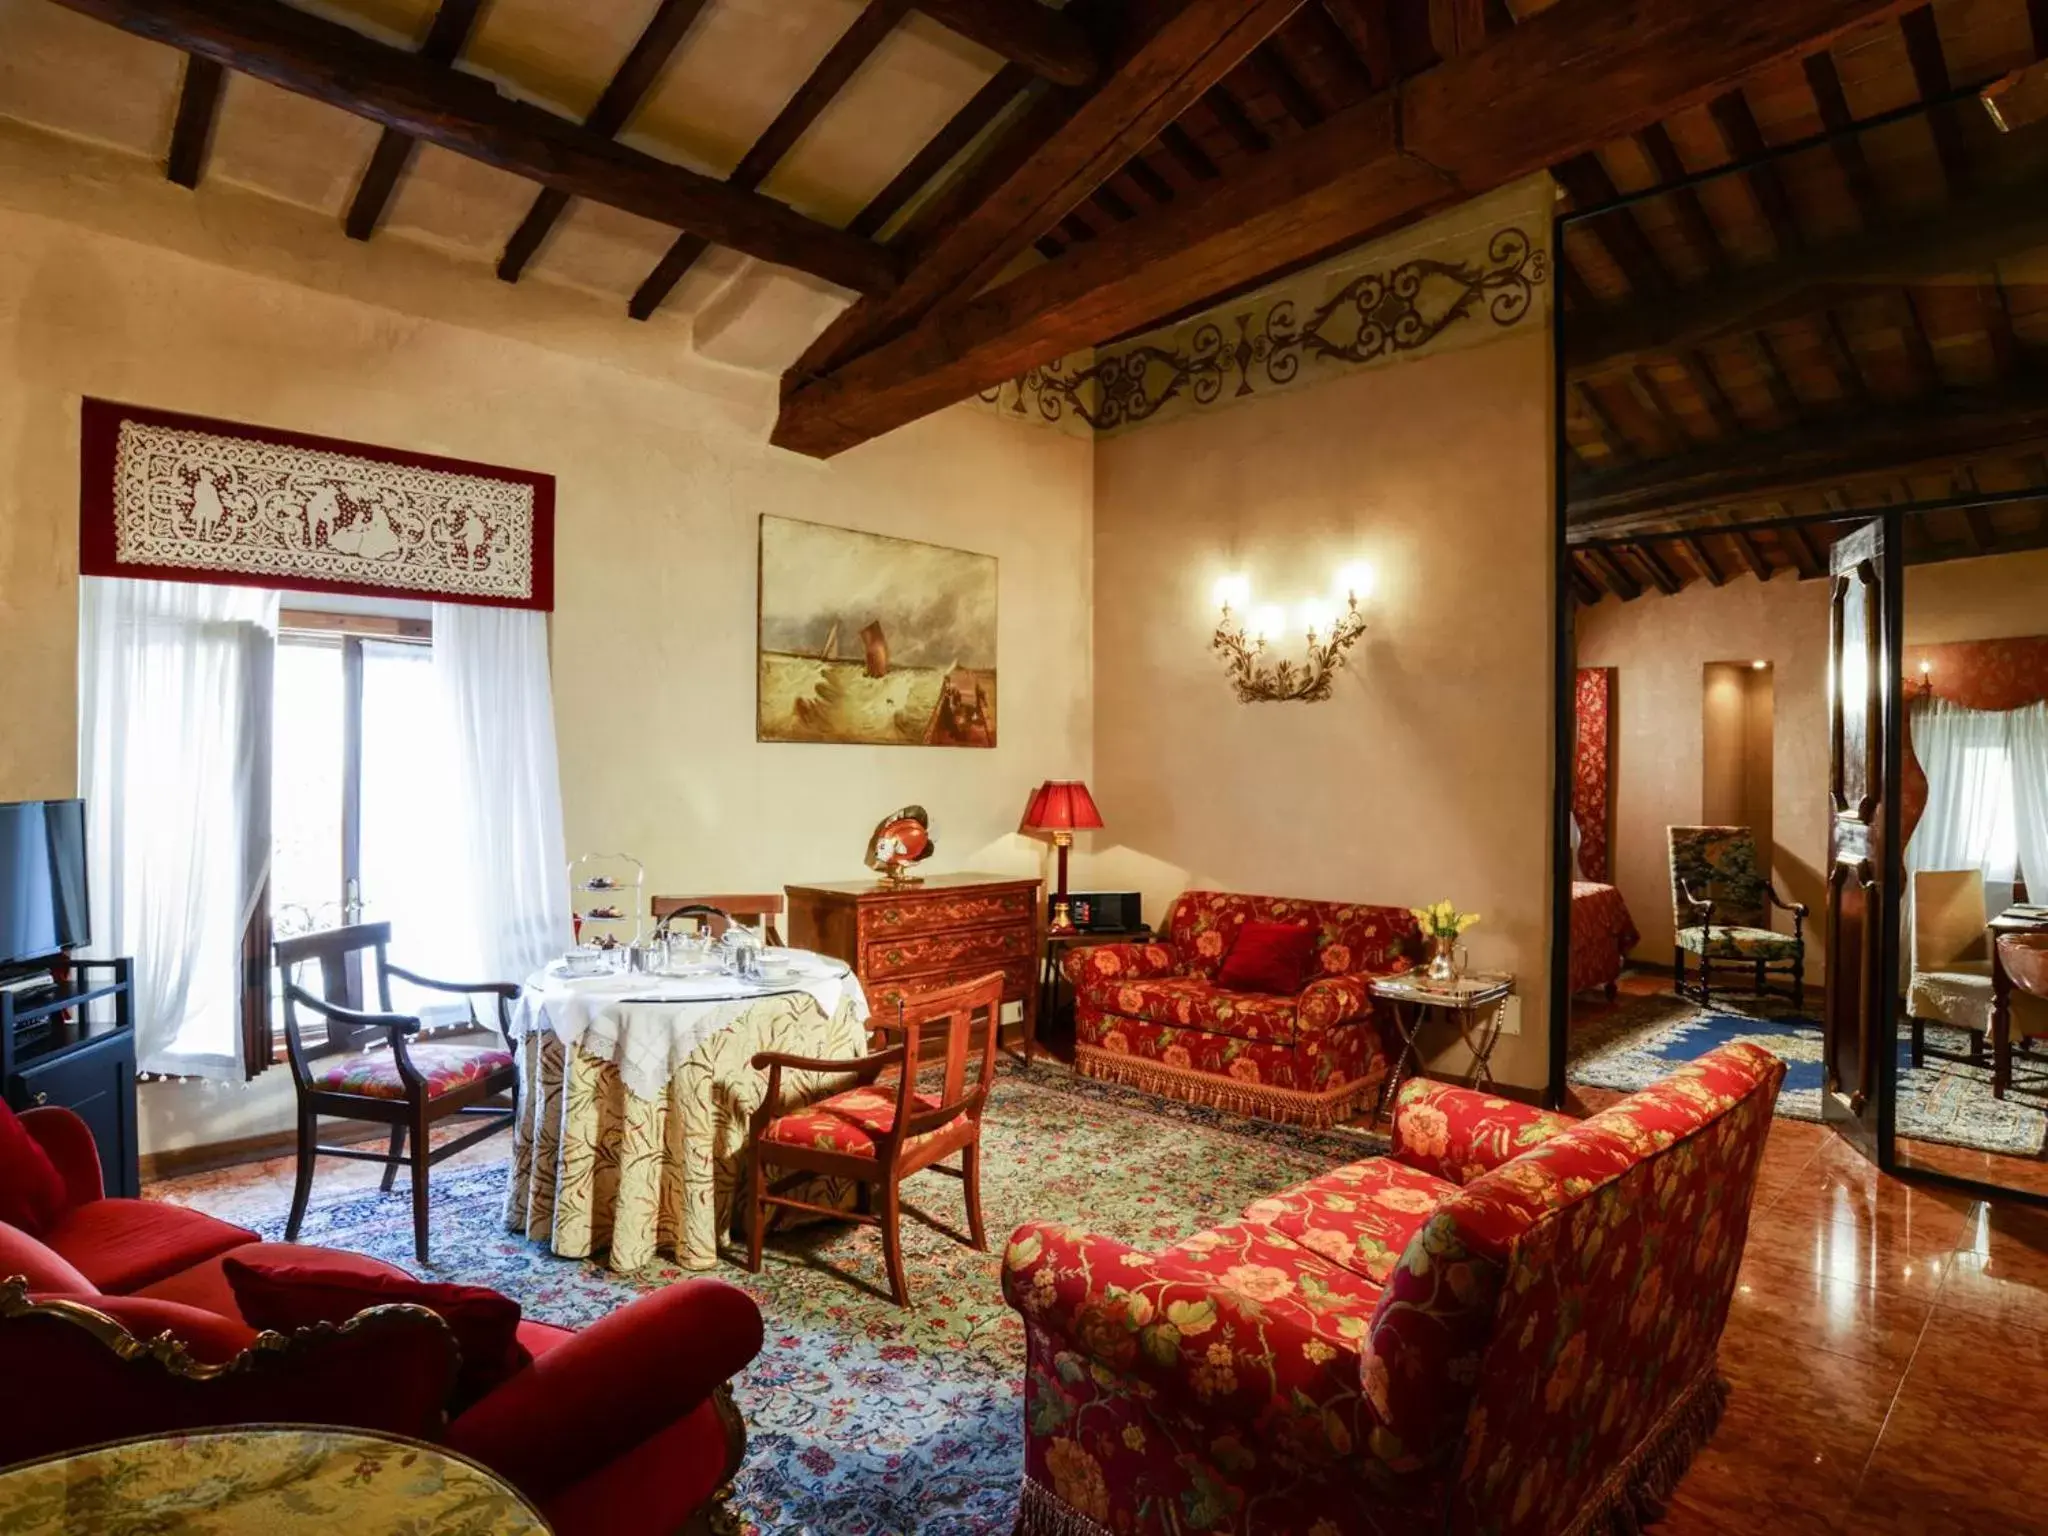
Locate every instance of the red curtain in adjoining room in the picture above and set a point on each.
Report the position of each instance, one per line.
(1976, 674)
(1593, 770)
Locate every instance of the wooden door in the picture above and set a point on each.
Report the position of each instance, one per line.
(1862, 877)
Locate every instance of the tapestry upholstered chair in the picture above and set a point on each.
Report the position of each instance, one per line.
(1721, 905)
(876, 1135)
(350, 1074)
(1951, 955)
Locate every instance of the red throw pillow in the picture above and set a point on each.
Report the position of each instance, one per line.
(289, 1292)
(1268, 957)
(32, 1193)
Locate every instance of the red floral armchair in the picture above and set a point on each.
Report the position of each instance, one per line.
(1152, 1016)
(124, 1313)
(1508, 1327)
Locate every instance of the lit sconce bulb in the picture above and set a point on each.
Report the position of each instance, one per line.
(1760, 666)
(1926, 669)
(1356, 580)
(1233, 591)
(1267, 620)
(1318, 616)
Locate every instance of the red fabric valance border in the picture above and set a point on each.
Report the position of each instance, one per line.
(456, 532)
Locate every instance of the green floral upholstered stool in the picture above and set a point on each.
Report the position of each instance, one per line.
(1721, 905)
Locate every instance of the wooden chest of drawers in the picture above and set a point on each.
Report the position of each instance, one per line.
(950, 929)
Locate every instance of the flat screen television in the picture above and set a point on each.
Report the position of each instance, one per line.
(43, 907)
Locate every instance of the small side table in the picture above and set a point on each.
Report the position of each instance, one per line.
(1478, 1003)
(1056, 947)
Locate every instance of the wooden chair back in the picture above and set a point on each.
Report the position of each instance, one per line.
(758, 912)
(339, 953)
(954, 1010)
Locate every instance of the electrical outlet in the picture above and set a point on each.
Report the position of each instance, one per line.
(1511, 1015)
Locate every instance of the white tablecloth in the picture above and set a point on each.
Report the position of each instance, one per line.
(648, 1026)
(635, 1096)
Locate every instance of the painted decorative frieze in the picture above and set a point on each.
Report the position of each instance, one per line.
(1461, 280)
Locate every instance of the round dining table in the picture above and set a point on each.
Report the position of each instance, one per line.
(262, 1480)
(636, 1093)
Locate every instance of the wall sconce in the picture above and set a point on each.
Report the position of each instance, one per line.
(1331, 628)
(1926, 687)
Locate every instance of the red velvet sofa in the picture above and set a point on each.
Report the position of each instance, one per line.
(1507, 1327)
(122, 1312)
(1152, 1015)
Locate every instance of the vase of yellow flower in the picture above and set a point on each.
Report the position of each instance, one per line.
(1441, 925)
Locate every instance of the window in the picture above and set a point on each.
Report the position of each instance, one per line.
(358, 794)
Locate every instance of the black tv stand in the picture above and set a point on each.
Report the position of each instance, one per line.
(72, 1043)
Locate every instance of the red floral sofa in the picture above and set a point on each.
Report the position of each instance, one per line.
(1152, 1016)
(1508, 1327)
(123, 1313)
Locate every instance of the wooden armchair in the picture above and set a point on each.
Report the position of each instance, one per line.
(877, 1135)
(717, 913)
(389, 1081)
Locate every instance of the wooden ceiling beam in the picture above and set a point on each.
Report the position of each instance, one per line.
(1798, 543)
(1752, 554)
(1700, 369)
(1704, 563)
(1969, 235)
(1842, 360)
(1650, 394)
(1457, 27)
(1783, 395)
(854, 47)
(1049, 43)
(453, 21)
(1825, 81)
(1919, 349)
(1613, 574)
(198, 108)
(1660, 572)
(1366, 28)
(1587, 590)
(327, 61)
(628, 87)
(1925, 437)
(1616, 441)
(1686, 207)
(1587, 183)
(1931, 77)
(1164, 66)
(1744, 137)
(961, 130)
(1525, 101)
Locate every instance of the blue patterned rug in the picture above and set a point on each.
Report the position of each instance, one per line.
(1945, 1101)
(863, 1418)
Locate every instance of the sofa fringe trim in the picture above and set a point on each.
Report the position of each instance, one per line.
(1292, 1106)
(1044, 1513)
(1634, 1495)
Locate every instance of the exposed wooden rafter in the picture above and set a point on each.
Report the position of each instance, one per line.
(1515, 105)
(1968, 235)
(1929, 436)
(961, 130)
(192, 132)
(855, 46)
(1047, 42)
(450, 29)
(628, 87)
(312, 56)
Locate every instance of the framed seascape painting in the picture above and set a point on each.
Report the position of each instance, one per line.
(874, 641)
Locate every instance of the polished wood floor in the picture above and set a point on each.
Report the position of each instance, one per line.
(1888, 1349)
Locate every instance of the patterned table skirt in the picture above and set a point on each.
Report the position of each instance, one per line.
(596, 1166)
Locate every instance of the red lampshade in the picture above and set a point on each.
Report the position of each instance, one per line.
(1061, 805)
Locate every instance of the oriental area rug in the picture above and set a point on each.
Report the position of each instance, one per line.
(863, 1419)
(1944, 1101)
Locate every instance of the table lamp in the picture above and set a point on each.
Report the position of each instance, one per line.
(1061, 807)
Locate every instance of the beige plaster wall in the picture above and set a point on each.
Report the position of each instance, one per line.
(660, 487)
(1660, 647)
(1428, 774)
(1992, 598)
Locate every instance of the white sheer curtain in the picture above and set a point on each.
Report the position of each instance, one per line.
(174, 764)
(491, 672)
(1971, 816)
(2029, 728)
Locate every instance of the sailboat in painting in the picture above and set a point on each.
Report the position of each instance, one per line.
(924, 671)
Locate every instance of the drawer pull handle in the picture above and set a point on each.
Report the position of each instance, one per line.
(42, 1098)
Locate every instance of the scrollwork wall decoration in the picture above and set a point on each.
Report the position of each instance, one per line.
(1374, 316)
